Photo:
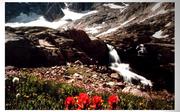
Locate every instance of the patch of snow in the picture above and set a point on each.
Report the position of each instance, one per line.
(162, 11)
(108, 31)
(113, 6)
(93, 30)
(123, 10)
(115, 28)
(74, 15)
(44, 43)
(156, 6)
(23, 18)
(39, 20)
(158, 34)
(103, 22)
(125, 4)
(11, 38)
(168, 24)
(127, 21)
(66, 4)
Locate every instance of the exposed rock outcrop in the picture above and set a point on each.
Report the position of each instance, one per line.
(39, 46)
(81, 7)
(53, 12)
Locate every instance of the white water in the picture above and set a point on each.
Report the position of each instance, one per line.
(113, 53)
(38, 20)
(123, 69)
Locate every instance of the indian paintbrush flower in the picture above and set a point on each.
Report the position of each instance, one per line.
(69, 102)
(112, 101)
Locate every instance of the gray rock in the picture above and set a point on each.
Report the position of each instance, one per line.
(120, 84)
(110, 84)
(67, 77)
(80, 7)
(53, 12)
(115, 75)
(136, 92)
(78, 76)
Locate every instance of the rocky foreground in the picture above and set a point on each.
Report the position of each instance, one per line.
(91, 79)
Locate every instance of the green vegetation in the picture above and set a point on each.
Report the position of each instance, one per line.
(30, 92)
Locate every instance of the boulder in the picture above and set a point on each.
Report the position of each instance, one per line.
(21, 52)
(27, 50)
(98, 50)
(79, 36)
(115, 76)
(95, 49)
(40, 46)
(136, 92)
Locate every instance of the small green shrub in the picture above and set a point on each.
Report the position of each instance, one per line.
(31, 93)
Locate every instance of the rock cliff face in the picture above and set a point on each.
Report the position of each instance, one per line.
(50, 11)
(38, 46)
(81, 7)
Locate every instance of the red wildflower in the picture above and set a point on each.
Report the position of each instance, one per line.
(69, 102)
(112, 101)
(97, 102)
(83, 101)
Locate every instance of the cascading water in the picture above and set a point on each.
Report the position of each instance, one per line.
(113, 54)
(123, 68)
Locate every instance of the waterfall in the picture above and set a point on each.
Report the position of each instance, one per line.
(113, 54)
(123, 68)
